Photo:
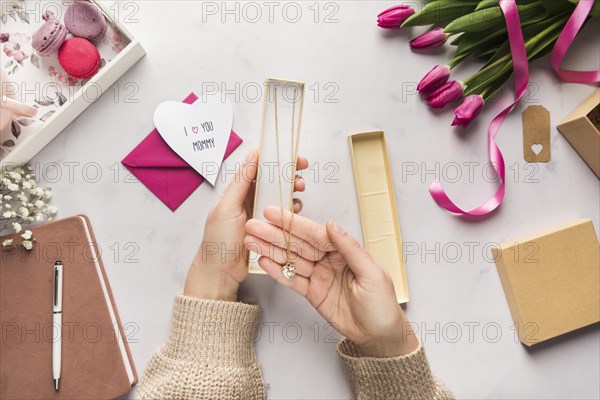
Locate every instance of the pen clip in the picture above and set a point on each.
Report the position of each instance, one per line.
(55, 286)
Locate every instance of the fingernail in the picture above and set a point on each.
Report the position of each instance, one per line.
(297, 205)
(249, 157)
(335, 226)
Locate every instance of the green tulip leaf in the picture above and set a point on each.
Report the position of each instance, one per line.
(558, 6)
(497, 85)
(492, 17)
(486, 54)
(487, 42)
(540, 40)
(456, 40)
(439, 11)
(483, 4)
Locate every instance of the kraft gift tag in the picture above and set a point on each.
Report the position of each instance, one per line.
(536, 134)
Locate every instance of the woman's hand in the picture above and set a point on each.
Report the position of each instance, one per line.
(339, 278)
(220, 264)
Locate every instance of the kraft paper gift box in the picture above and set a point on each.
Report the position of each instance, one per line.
(582, 129)
(377, 205)
(274, 161)
(551, 280)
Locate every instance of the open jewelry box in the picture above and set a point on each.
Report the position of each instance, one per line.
(377, 205)
(284, 99)
(41, 81)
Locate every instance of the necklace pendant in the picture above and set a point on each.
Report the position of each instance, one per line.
(289, 270)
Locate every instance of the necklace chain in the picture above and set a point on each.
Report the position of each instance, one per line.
(287, 234)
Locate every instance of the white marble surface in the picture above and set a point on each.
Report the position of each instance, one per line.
(366, 71)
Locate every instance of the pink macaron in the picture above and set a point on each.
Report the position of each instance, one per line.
(50, 36)
(85, 19)
(79, 58)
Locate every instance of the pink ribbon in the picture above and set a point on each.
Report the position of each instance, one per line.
(564, 42)
(521, 77)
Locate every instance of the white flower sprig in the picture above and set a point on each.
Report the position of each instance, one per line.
(22, 202)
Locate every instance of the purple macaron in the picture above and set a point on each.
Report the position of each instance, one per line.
(50, 36)
(84, 19)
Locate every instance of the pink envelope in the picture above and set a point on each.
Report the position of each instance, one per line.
(166, 174)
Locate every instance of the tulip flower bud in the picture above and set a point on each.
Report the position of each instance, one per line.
(429, 40)
(449, 92)
(394, 17)
(434, 79)
(468, 110)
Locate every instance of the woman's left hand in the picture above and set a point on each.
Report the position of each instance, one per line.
(220, 264)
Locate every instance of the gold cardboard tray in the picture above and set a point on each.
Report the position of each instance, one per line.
(377, 205)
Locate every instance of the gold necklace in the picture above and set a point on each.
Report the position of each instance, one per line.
(289, 269)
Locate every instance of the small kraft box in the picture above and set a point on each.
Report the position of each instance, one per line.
(377, 205)
(280, 135)
(582, 129)
(551, 280)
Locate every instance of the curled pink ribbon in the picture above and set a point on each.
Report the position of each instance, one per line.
(521, 71)
(566, 39)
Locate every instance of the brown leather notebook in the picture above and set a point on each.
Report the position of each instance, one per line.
(96, 361)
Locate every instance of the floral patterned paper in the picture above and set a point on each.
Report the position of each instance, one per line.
(42, 82)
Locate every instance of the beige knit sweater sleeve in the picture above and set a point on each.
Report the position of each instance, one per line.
(406, 377)
(210, 355)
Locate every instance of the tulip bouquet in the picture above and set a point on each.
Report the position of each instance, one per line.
(478, 30)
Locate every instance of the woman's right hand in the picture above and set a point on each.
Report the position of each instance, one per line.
(338, 277)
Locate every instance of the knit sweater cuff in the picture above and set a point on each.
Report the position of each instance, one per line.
(212, 332)
(407, 376)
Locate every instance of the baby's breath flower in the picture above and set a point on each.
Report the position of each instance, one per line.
(51, 210)
(7, 242)
(22, 202)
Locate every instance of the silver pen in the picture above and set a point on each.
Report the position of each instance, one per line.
(57, 322)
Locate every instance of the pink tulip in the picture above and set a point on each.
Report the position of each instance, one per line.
(429, 40)
(468, 110)
(394, 17)
(449, 92)
(434, 79)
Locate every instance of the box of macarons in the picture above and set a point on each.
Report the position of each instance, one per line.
(57, 58)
